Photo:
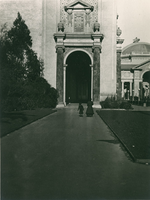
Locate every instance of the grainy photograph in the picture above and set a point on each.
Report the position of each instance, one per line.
(75, 99)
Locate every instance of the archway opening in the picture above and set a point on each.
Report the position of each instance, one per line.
(78, 77)
(146, 85)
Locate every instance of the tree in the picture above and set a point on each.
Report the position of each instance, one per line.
(20, 37)
(34, 66)
(22, 84)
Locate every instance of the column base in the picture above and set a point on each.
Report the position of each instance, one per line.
(60, 105)
(96, 105)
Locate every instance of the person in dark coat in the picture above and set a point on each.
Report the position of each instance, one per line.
(81, 109)
(89, 110)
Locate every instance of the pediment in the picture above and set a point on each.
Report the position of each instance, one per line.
(79, 5)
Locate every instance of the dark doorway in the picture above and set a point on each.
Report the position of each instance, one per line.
(146, 85)
(127, 90)
(78, 77)
(146, 77)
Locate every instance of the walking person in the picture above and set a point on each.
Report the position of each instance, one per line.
(81, 109)
(89, 110)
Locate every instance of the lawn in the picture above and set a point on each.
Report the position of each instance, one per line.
(11, 121)
(132, 128)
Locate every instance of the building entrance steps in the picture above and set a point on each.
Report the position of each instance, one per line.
(64, 156)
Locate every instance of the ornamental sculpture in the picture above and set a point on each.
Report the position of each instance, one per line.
(69, 11)
(119, 31)
(60, 27)
(136, 40)
(88, 11)
(96, 27)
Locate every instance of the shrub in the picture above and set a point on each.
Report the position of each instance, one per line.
(125, 105)
(115, 104)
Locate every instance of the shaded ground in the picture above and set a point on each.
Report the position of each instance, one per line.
(132, 128)
(12, 121)
(67, 157)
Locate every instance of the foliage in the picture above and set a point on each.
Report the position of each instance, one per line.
(125, 105)
(22, 84)
(111, 103)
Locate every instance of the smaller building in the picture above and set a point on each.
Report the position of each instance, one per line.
(135, 70)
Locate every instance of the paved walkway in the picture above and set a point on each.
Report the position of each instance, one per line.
(64, 156)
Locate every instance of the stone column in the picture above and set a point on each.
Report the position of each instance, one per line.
(91, 82)
(118, 87)
(122, 89)
(64, 85)
(59, 39)
(136, 88)
(130, 88)
(118, 70)
(96, 75)
(59, 74)
(97, 37)
(136, 82)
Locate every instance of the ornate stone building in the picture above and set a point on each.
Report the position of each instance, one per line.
(77, 41)
(135, 70)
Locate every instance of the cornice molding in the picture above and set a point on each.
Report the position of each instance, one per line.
(83, 6)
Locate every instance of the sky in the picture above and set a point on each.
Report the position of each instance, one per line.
(134, 20)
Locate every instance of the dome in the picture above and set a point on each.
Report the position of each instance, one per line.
(137, 48)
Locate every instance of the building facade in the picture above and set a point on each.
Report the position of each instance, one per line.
(77, 41)
(135, 70)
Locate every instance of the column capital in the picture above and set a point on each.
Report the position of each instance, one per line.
(60, 47)
(119, 51)
(96, 47)
(59, 37)
(97, 36)
(120, 41)
(119, 44)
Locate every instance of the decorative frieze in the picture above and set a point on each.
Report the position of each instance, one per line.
(126, 75)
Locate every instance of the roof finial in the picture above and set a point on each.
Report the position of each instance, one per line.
(136, 40)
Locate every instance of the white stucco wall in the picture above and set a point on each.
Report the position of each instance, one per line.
(107, 18)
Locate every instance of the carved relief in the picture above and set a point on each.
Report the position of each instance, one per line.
(78, 22)
(69, 11)
(90, 14)
(126, 75)
(87, 17)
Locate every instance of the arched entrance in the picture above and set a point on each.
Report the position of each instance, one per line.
(78, 77)
(146, 84)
